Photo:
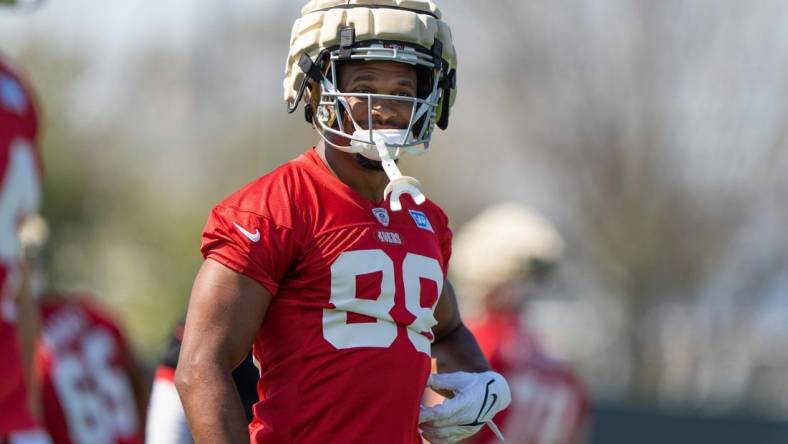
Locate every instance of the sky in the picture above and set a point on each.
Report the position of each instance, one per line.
(109, 26)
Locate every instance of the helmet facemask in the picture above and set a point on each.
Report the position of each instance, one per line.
(333, 118)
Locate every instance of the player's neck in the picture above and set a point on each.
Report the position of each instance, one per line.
(368, 183)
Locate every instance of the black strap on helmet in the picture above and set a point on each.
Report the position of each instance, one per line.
(312, 71)
(310, 68)
(347, 38)
(448, 83)
(437, 54)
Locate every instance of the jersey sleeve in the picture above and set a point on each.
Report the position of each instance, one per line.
(250, 244)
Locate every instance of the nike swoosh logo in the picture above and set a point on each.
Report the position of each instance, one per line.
(482, 411)
(494, 399)
(254, 237)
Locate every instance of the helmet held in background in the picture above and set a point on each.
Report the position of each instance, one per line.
(501, 253)
(332, 32)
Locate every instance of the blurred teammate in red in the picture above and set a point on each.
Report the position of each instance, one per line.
(334, 265)
(502, 258)
(92, 389)
(20, 172)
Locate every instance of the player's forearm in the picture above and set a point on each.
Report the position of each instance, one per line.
(27, 331)
(212, 406)
(459, 351)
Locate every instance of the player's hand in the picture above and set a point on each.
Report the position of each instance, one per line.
(477, 398)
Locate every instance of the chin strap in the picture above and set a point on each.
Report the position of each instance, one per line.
(398, 184)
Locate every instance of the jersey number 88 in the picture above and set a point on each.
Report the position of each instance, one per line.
(382, 333)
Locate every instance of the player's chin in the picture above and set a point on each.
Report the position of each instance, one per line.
(369, 164)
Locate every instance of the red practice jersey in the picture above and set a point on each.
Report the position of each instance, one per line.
(19, 196)
(549, 404)
(86, 389)
(345, 346)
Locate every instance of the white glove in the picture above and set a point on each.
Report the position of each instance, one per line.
(477, 398)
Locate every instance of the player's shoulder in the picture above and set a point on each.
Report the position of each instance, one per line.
(436, 209)
(16, 96)
(9, 69)
(96, 308)
(435, 214)
(87, 303)
(275, 194)
(18, 128)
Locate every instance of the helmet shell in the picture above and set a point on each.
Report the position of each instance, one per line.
(408, 22)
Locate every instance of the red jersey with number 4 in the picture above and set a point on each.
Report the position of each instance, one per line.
(344, 348)
(86, 391)
(19, 195)
(549, 404)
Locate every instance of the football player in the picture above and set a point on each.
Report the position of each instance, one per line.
(333, 266)
(502, 258)
(93, 391)
(166, 422)
(20, 172)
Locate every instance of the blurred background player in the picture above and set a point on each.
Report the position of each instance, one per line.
(166, 422)
(93, 391)
(20, 171)
(502, 258)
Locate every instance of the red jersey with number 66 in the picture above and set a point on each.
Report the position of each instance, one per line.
(345, 345)
(19, 196)
(86, 389)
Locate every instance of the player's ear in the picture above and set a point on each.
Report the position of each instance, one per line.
(312, 94)
(311, 100)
